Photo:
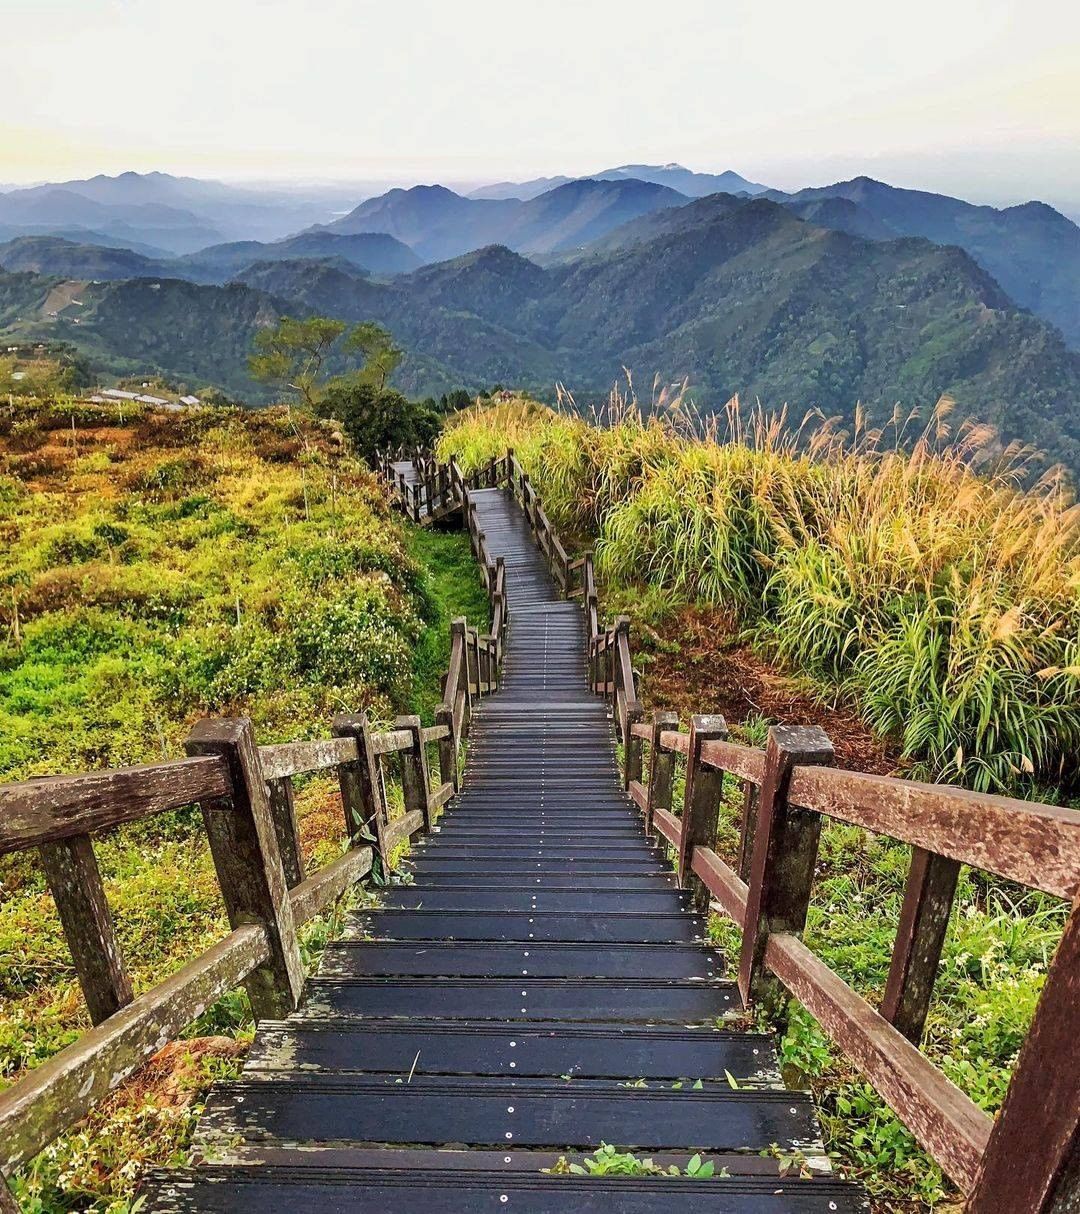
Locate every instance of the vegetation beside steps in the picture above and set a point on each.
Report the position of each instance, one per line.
(944, 601)
(155, 568)
(671, 514)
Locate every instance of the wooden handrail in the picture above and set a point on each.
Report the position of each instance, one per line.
(59, 807)
(1036, 845)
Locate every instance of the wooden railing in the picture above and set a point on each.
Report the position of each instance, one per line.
(1027, 1161)
(245, 792)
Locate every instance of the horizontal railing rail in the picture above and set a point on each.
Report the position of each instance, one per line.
(788, 787)
(245, 792)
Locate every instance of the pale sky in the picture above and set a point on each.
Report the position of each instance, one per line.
(975, 97)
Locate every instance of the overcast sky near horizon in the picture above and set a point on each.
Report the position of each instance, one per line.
(979, 98)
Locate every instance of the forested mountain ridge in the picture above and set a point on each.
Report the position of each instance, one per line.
(1032, 250)
(370, 251)
(739, 296)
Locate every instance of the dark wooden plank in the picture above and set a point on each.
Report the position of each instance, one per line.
(437, 1110)
(244, 845)
(785, 850)
(924, 919)
(44, 811)
(1036, 845)
(1032, 1161)
(254, 1190)
(950, 1126)
(72, 873)
(581, 1049)
(704, 786)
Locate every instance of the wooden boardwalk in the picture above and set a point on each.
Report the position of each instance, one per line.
(540, 987)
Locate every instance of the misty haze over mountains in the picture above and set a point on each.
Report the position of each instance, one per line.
(857, 291)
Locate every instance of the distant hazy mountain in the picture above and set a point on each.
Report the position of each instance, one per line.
(519, 189)
(179, 214)
(674, 176)
(437, 223)
(1032, 250)
(371, 252)
(742, 296)
(374, 252)
(67, 259)
(77, 235)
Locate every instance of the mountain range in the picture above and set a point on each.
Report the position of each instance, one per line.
(674, 176)
(741, 296)
(370, 251)
(439, 224)
(854, 292)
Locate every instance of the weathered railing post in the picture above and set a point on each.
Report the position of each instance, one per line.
(1032, 1161)
(415, 779)
(361, 789)
(632, 745)
(924, 920)
(785, 850)
(243, 842)
(72, 873)
(459, 634)
(448, 763)
(661, 767)
(701, 804)
(748, 828)
(283, 812)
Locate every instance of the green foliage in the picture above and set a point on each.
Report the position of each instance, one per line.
(377, 417)
(163, 567)
(292, 355)
(944, 601)
(607, 1160)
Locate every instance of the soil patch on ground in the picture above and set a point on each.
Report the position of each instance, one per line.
(695, 663)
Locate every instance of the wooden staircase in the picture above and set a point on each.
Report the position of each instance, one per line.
(539, 988)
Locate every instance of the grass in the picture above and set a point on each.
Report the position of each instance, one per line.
(157, 568)
(944, 601)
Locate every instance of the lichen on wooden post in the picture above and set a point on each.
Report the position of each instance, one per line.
(243, 842)
(75, 881)
(415, 779)
(361, 788)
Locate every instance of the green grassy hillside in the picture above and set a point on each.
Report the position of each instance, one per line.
(155, 568)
